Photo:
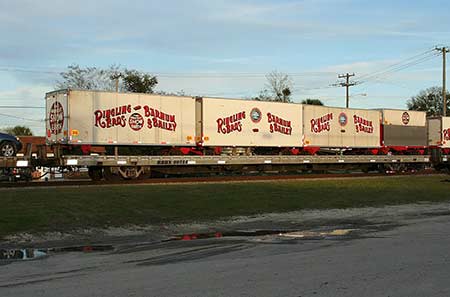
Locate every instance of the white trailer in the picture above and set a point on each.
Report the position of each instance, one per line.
(108, 118)
(334, 127)
(404, 128)
(250, 123)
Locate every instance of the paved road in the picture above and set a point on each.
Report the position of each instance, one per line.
(412, 259)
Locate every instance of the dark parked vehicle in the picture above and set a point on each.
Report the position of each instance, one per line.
(9, 145)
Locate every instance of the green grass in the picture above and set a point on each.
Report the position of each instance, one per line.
(64, 209)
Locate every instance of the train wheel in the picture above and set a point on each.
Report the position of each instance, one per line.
(95, 173)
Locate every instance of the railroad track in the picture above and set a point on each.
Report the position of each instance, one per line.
(210, 179)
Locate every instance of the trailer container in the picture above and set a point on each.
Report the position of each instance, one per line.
(102, 118)
(403, 128)
(332, 127)
(439, 132)
(248, 123)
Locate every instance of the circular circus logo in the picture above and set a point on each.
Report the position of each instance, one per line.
(136, 121)
(405, 118)
(255, 115)
(343, 119)
(56, 118)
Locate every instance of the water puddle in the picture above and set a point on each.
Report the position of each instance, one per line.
(21, 254)
(264, 233)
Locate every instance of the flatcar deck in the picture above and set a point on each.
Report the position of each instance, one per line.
(234, 160)
(94, 160)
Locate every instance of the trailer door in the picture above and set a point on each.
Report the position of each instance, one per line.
(56, 121)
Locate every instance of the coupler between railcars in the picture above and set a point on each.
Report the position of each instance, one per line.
(439, 161)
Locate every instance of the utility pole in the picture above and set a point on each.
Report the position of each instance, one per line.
(346, 84)
(116, 77)
(443, 50)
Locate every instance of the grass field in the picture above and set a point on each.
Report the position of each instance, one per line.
(65, 209)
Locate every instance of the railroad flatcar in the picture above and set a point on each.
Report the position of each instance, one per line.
(131, 135)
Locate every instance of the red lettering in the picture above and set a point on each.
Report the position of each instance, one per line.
(231, 123)
(278, 124)
(117, 116)
(322, 123)
(111, 117)
(446, 134)
(362, 124)
(98, 116)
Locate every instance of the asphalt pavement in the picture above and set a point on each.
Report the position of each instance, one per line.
(408, 257)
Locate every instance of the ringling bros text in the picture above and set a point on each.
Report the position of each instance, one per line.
(233, 123)
(323, 124)
(136, 117)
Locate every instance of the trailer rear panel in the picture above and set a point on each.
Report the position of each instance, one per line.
(445, 132)
(439, 132)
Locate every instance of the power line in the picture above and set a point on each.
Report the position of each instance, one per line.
(380, 81)
(20, 118)
(7, 69)
(245, 74)
(374, 76)
(398, 63)
(399, 68)
(180, 74)
(21, 107)
(406, 63)
(300, 88)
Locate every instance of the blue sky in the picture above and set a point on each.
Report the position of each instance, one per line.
(223, 47)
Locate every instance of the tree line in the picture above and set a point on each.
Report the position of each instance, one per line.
(278, 88)
(113, 78)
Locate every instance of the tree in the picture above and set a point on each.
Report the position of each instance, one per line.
(89, 78)
(429, 100)
(264, 95)
(93, 78)
(19, 131)
(177, 93)
(137, 82)
(312, 102)
(277, 88)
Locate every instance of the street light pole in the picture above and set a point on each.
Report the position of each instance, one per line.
(116, 77)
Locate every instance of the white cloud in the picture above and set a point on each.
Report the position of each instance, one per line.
(32, 96)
